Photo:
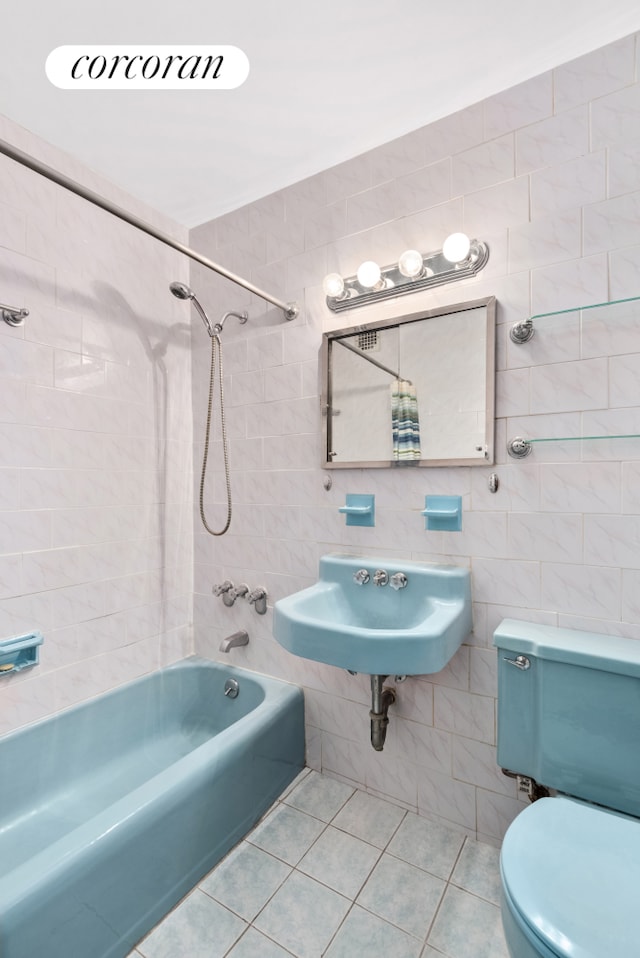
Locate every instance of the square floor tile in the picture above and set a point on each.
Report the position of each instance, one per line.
(320, 796)
(198, 928)
(286, 833)
(402, 894)
(369, 818)
(245, 880)
(478, 870)
(365, 934)
(426, 844)
(466, 925)
(303, 916)
(341, 861)
(255, 945)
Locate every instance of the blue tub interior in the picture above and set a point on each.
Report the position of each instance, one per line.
(112, 810)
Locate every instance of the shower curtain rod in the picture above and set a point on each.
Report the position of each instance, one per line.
(371, 360)
(290, 310)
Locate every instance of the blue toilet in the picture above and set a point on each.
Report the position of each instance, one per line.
(569, 720)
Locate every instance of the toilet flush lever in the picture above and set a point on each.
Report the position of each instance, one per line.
(521, 662)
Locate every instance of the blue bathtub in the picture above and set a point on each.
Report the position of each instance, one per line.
(112, 810)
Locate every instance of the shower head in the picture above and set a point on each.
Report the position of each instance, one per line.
(182, 291)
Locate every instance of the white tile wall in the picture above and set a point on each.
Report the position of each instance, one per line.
(95, 441)
(547, 173)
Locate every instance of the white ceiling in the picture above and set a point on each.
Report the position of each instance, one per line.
(328, 80)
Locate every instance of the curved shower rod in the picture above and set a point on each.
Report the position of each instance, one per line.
(290, 310)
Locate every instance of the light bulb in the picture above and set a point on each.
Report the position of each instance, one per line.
(456, 247)
(333, 285)
(368, 274)
(410, 263)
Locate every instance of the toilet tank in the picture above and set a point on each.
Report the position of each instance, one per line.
(571, 718)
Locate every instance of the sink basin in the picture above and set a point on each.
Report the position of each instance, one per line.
(376, 629)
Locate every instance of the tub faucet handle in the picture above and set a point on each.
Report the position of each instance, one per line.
(258, 599)
(380, 577)
(361, 577)
(221, 588)
(240, 591)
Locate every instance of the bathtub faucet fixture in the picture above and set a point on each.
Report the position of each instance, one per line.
(234, 641)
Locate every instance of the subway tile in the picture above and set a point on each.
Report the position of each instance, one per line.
(611, 224)
(624, 170)
(475, 763)
(624, 272)
(448, 800)
(520, 105)
(506, 204)
(565, 387)
(483, 165)
(581, 589)
(570, 185)
(552, 537)
(578, 282)
(545, 241)
(614, 119)
(465, 714)
(594, 75)
(552, 141)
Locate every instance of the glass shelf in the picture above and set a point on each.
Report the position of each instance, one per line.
(580, 309)
(617, 326)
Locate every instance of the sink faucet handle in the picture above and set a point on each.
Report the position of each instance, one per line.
(361, 577)
(398, 581)
(221, 588)
(380, 577)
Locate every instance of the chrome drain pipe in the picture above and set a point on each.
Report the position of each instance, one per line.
(381, 699)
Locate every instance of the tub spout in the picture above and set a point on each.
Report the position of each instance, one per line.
(233, 641)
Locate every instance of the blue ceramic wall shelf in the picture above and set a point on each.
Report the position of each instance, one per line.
(360, 509)
(19, 652)
(443, 513)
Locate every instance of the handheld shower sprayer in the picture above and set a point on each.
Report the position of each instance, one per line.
(182, 291)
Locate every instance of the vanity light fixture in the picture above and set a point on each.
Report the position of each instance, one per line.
(459, 258)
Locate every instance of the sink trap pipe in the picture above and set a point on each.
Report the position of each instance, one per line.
(381, 699)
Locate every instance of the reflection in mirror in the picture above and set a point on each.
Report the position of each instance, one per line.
(418, 390)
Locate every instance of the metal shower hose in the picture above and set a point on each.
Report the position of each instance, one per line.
(216, 348)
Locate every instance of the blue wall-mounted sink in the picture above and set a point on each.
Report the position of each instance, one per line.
(376, 629)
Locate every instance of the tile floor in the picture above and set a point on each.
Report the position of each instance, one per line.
(333, 871)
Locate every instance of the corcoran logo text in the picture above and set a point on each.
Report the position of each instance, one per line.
(147, 67)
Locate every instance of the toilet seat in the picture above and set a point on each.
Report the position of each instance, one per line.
(571, 874)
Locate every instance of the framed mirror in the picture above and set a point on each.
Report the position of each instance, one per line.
(417, 390)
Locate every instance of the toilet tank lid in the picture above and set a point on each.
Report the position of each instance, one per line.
(608, 653)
